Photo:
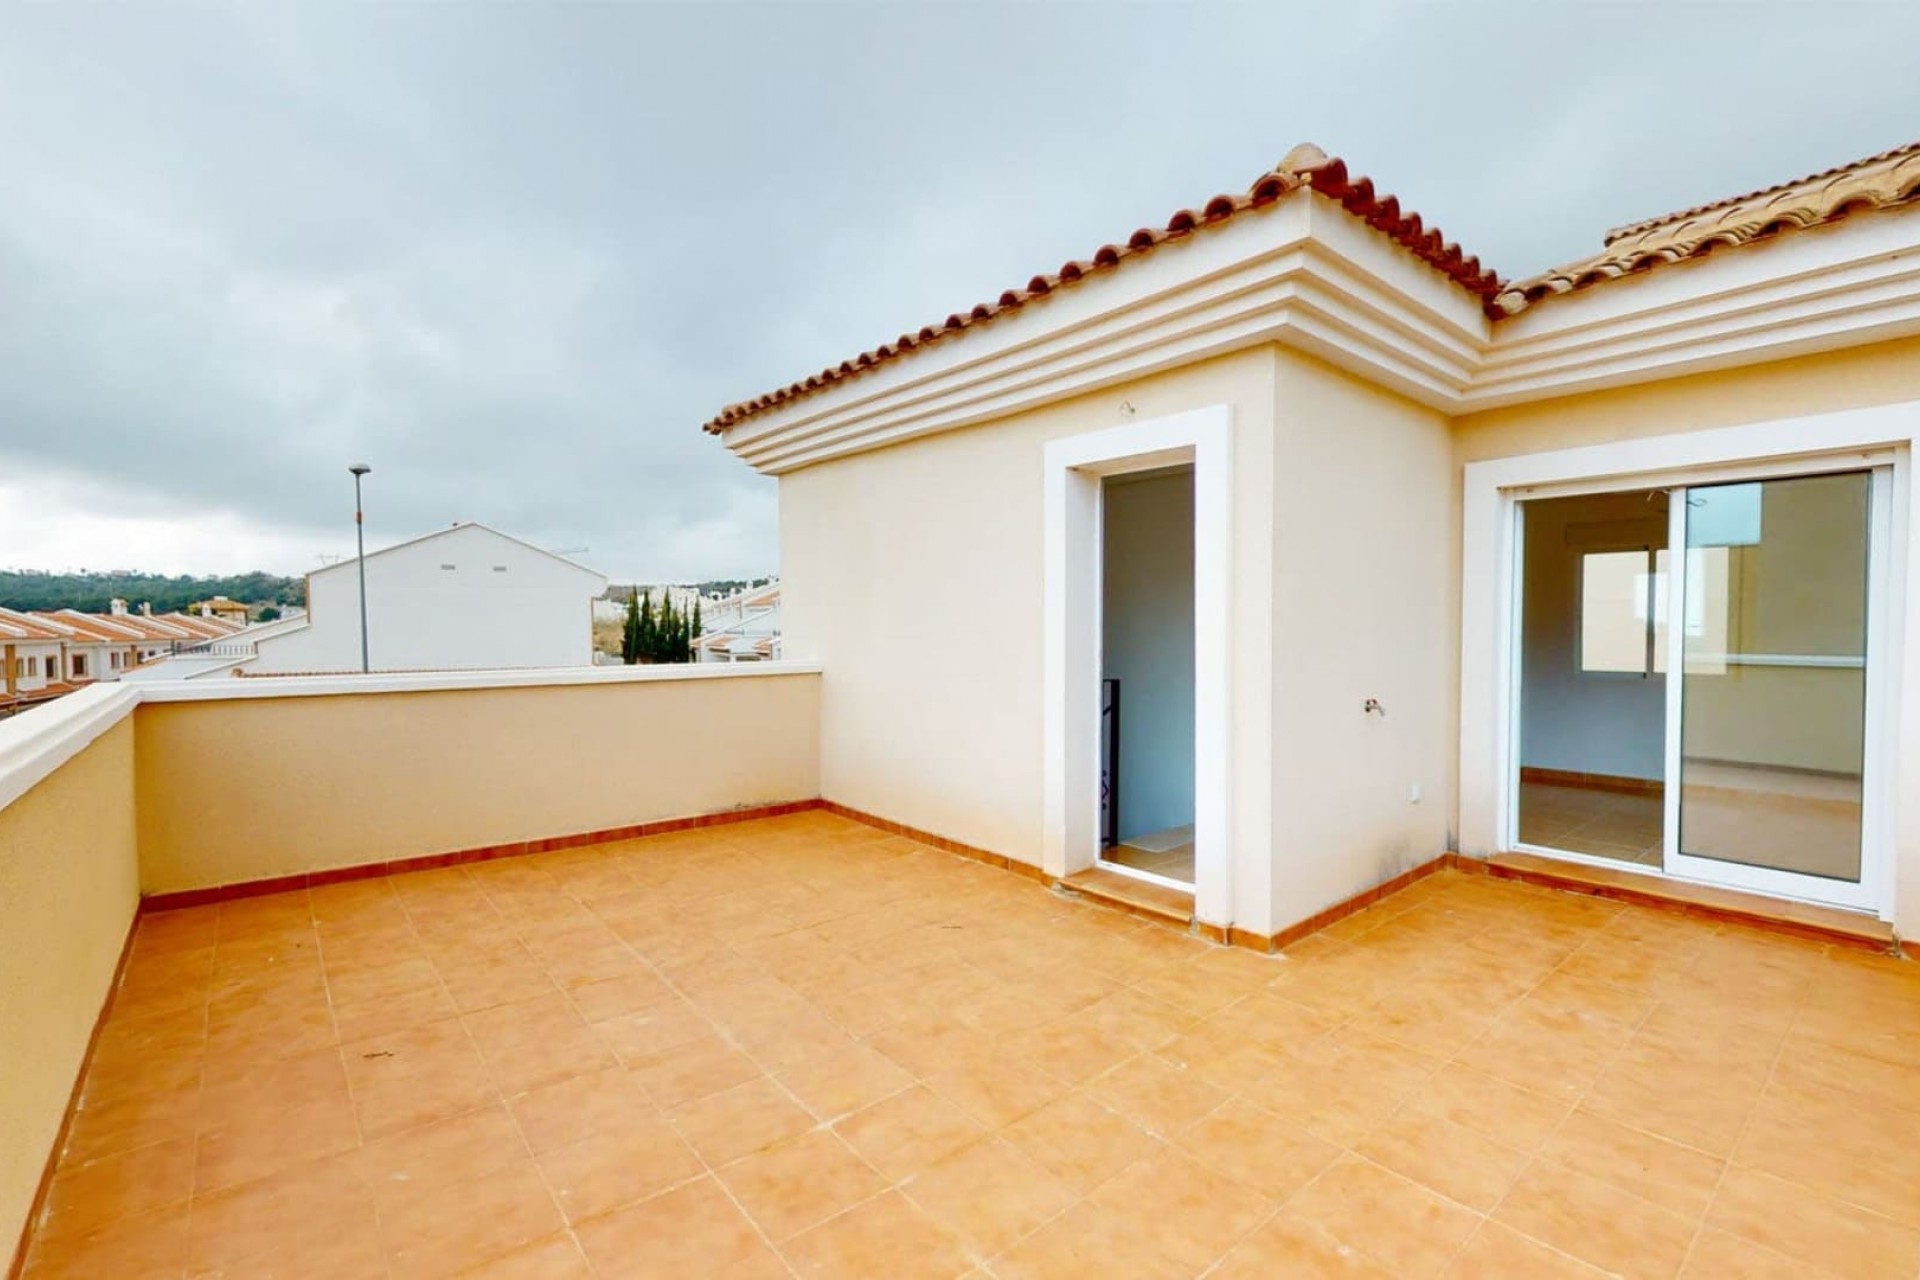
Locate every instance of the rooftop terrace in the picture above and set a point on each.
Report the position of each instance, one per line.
(803, 1046)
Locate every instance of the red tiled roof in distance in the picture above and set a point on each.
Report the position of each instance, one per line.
(1305, 166)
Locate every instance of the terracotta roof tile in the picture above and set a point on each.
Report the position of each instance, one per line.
(1305, 166)
(1877, 182)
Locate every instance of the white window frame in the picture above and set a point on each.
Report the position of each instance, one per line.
(1074, 468)
(1854, 439)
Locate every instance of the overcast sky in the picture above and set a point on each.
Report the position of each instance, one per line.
(514, 255)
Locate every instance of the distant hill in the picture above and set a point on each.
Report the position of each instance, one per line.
(91, 592)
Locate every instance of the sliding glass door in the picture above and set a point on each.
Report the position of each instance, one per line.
(1770, 683)
(1699, 681)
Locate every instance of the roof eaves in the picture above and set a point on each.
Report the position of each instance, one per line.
(1305, 167)
(1878, 182)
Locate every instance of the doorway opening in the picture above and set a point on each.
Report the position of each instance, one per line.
(1147, 674)
(1695, 674)
(1593, 691)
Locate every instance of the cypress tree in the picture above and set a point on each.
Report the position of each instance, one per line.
(648, 631)
(630, 634)
(693, 632)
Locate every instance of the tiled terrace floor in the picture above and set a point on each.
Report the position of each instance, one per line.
(805, 1047)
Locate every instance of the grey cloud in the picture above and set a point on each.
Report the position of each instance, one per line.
(515, 255)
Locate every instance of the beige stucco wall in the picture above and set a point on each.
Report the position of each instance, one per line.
(1365, 604)
(253, 788)
(69, 882)
(1884, 373)
(914, 574)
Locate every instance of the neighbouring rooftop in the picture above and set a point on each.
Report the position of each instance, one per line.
(803, 1046)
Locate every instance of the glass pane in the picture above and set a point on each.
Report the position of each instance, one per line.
(1773, 710)
(1613, 611)
(1593, 724)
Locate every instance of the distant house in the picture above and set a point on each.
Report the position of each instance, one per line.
(46, 654)
(743, 627)
(222, 608)
(468, 597)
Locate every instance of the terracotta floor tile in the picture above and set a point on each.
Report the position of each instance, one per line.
(613, 1169)
(799, 1183)
(432, 1157)
(275, 1223)
(1258, 1149)
(1814, 1229)
(1079, 1141)
(557, 1258)
(86, 1197)
(1159, 1096)
(1837, 1143)
(1291, 1247)
(694, 1230)
(903, 1134)
(1689, 1094)
(1392, 1219)
(1495, 1252)
(885, 1236)
(1653, 1168)
(1596, 1222)
(1507, 1113)
(534, 1042)
(747, 1118)
(845, 1081)
(1073, 1048)
(410, 1077)
(144, 1246)
(1087, 1240)
(469, 1223)
(111, 1124)
(258, 1143)
(1461, 1164)
(1197, 1213)
(386, 1015)
(566, 1111)
(1718, 1253)
(996, 1088)
(626, 994)
(989, 1194)
(692, 1070)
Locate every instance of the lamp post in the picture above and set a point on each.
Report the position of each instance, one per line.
(360, 535)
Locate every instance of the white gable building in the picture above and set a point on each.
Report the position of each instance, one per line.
(464, 598)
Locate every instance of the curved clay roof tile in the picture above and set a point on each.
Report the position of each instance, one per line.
(1305, 165)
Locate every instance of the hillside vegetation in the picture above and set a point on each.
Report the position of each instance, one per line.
(91, 592)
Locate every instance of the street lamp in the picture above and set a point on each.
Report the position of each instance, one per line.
(360, 534)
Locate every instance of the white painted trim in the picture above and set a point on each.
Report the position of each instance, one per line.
(1306, 274)
(1070, 615)
(33, 744)
(1850, 439)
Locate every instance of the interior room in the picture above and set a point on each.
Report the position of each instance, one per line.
(1147, 670)
(1593, 703)
(1773, 614)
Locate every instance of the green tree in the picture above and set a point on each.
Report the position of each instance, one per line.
(694, 632)
(647, 635)
(630, 631)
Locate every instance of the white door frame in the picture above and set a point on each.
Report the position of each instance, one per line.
(1489, 702)
(1074, 468)
(1867, 894)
